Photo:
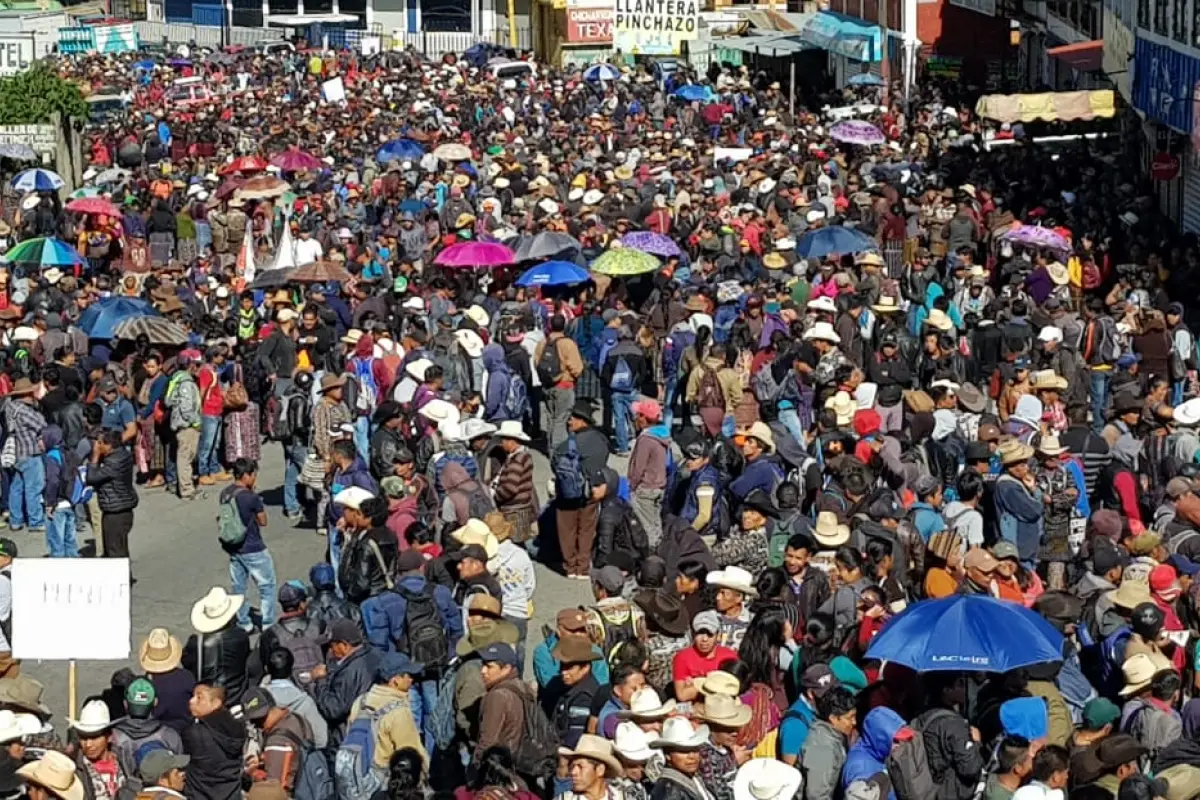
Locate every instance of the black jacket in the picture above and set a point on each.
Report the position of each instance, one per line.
(384, 445)
(955, 760)
(326, 606)
(224, 661)
(336, 692)
(891, 375)
(573, 708)
(215, 745)
(617, 528)
(113, 480)
(360, 572)
(670, 786)
(278, 354)
(634, 357)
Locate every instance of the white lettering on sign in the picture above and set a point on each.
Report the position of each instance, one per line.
(65, 609)
(16, 53)
(654, 26)
(41, 138)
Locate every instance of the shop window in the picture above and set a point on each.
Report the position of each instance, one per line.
(1143, 13)
(1161, 17)
(1179, 22)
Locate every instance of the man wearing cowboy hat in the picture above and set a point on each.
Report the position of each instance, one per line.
(24, 424)
(52, 775)
(681, 742)
(573, 706)
(591, 767)
(760, 472)
(734, 587)
(1018, 501)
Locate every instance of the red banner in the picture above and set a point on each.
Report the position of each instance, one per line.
(589, 25)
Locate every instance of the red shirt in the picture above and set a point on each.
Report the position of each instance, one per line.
(690, 664)
(212, 401)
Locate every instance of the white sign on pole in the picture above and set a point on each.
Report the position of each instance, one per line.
(16, 52)
(654, 27)
(70, 608)
(333, 90)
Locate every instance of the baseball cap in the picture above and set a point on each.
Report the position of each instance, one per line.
(818, 679)
(410, 561)
(158, 763)
(1003, 550)
(140, 696)
(8, 547)
(989, 432)
(609, 578)
(394, 664)
(1098, 712)
(571, 619)
(256, 703)
(706, 621)
(499, 653)
(291, 596)
(344, 630)
(650, 409)
(1178, 487)
(1025, 717)
(474, 551)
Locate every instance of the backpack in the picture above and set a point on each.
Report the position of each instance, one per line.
(908, 769)
(1108, 340)
(673, 351)
(424, 635)
(917, 768)
(549, 366)
(314, 780)
(537, 754)
(444, 348)
(569, 481)
(303, 641)
(354, 772)
(479, 503)
(710, 394)
(445, 725)
(766, 388)
(288, 417)
(79, 493)
(231, 530)
(622, 377)
(368, 389)
(609, 628)
(516, 398)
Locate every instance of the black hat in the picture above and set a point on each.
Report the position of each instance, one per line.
(664, 611)
(978, 451)
(344, 630)
(760, 501)
(8, 547)
(1127, 403)
(291, 596)
(584, 411)
(256, 704)
(410, 561)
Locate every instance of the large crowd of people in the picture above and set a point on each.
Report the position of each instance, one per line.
(765, 380)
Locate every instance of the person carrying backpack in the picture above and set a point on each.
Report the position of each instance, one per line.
(1101, 348)
(293, 429)
(305, 639)
(507, 396)
(952, 748)
(287, 742)
(381, 722)
(63, 491)
(241, 517)
(622, 374)
(714, 389)
(510, 717)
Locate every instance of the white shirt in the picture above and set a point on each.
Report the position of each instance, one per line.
(307, 251)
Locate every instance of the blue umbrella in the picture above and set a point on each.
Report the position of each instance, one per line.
(145, 64)
(975, 633)
(601, 72)
(399, 150)
(834, 239)
(865, 79)
(37, 180)
(413, 206)
(44, 252)
(693, 92)
(553, 273)
(100, 319)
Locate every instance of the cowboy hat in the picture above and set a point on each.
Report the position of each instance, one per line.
(828, 532)
(762, 432)
(55, 773)
(416, 369)
(478, 315)
(439, 411)
(971, 399)
(734, 578)
(592, 197)
(24, 333)
(1012, 451)
(1050, 446)
(725, 711)
(1139, 671)
(15, 726)
(53, 275)
(886, 305)
(280, 296)
(720, 682)
(214, 611)
(774, 261)
(918, 401)
(870, 260)
(1048, 379)
(696, 303)
(511, 429)
(473, 428)
(645, 704)
(678, 734)
(595, 748)
(1130, 594)
(352, 336)
(822, 303)
(824, 331)
(631, 744)
(329, 382)
(159, 652)
(1058, 273)
(23, 693)
(766, 779)
(939, 320)
(93, 718)
(842, 405)
(470, 342)
(663, 610)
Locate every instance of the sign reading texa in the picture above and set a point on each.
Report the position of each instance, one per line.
(654, 27)
(589, 25)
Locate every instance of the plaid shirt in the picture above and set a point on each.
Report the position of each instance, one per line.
(24, 423)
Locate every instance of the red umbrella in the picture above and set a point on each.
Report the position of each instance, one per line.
(93, 205)
(231, 185)
(245, 164)
(297, 161)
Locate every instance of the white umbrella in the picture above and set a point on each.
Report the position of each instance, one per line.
(453, 151)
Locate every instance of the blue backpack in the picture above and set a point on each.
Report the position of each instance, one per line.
(445, 726)
(516, 398)
(314, 780)
(569, 481)
(355, 775)
(673, 352)
(368, 389)
(622, 377)
(723, 322)
(80, 491)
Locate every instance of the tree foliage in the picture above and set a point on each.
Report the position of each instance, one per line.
(33, 96)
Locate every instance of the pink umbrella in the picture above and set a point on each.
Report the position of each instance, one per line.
(93, 205)
(297, 161)
(475, 254)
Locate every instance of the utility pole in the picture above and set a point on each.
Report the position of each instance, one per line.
(884, 66)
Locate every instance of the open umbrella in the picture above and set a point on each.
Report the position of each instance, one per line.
(44, 252)
(37, 180)
(273, 278)
(145, 64)
(453, 151)
(546, 244)
(412, 205)
(601, 72)
(693, 93)
(865, 79)
(399, 150)
(94, 205)
(100, 319)
(320, 272)
(111, 175)
(1036, 236)
(553, 273)
(159, 330)
(85, 191)
(834, 239)
(475, 254)
(230, 186)
(297, 161)
(625, 261)
(855, 131)
(244, 164)
(262, 187)
(973, 633)
(17, 151)
(656, 244)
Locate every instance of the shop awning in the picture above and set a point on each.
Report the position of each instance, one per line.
(1083, 56)
(1047, 106)
(773, 45)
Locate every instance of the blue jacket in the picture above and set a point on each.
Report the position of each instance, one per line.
(869, 754)
(762, 473)
(793, 730)
(157, 389)
(546, 667)
(383, 615)
(499, 376)
(1021, 516)
(356, 475)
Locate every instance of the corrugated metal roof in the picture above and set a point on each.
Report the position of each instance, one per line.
(773, 45)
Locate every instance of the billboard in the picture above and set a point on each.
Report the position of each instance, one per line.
(654, 27)
(589, 25)
(17, 52)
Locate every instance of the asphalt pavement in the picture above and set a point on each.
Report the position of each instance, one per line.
(177, 559)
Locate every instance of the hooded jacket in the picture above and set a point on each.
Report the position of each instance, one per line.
(499, 376)
(869, 754)
(822, 757)
(130, 733)
(290, 696)
(955, 760)
(460, 489)
(648, 463)
(215, 745)
(345, 682)
(356, 474)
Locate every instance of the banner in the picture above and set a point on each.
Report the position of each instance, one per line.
(70, 608)
(589, 25)
(17, 52)
(654, 27)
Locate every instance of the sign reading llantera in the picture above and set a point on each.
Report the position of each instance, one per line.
(654, 27)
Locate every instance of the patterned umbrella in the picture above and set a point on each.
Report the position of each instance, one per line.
(1037, 236)
(37, 180)
(244, 164)
(159, 330)
(44, 252)
(262, 187)
(625, 261)
(453, 151)
(321, 272)
(111, 175)
(475, 254)
(601, 72)
(855, 131)
(94, 205)
(656, 244)
(297, 161)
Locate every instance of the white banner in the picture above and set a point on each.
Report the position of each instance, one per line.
(17, 52)
(654, 27)
(70, 608)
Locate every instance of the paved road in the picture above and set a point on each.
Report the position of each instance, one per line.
(177, 559)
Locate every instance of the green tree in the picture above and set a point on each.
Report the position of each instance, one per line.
(32, 97)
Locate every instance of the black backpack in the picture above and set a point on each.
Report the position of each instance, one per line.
(549, 366)
(303, 638)
(424, 637)
(536, 755)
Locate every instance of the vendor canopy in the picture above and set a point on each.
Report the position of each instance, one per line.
(1047, 106)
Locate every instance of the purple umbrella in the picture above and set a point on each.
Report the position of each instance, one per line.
(656, 244)
(1037, 236)
(855, 131)
(297, 161)
(475, 254)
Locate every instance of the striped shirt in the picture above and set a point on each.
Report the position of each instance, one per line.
(24, 424)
